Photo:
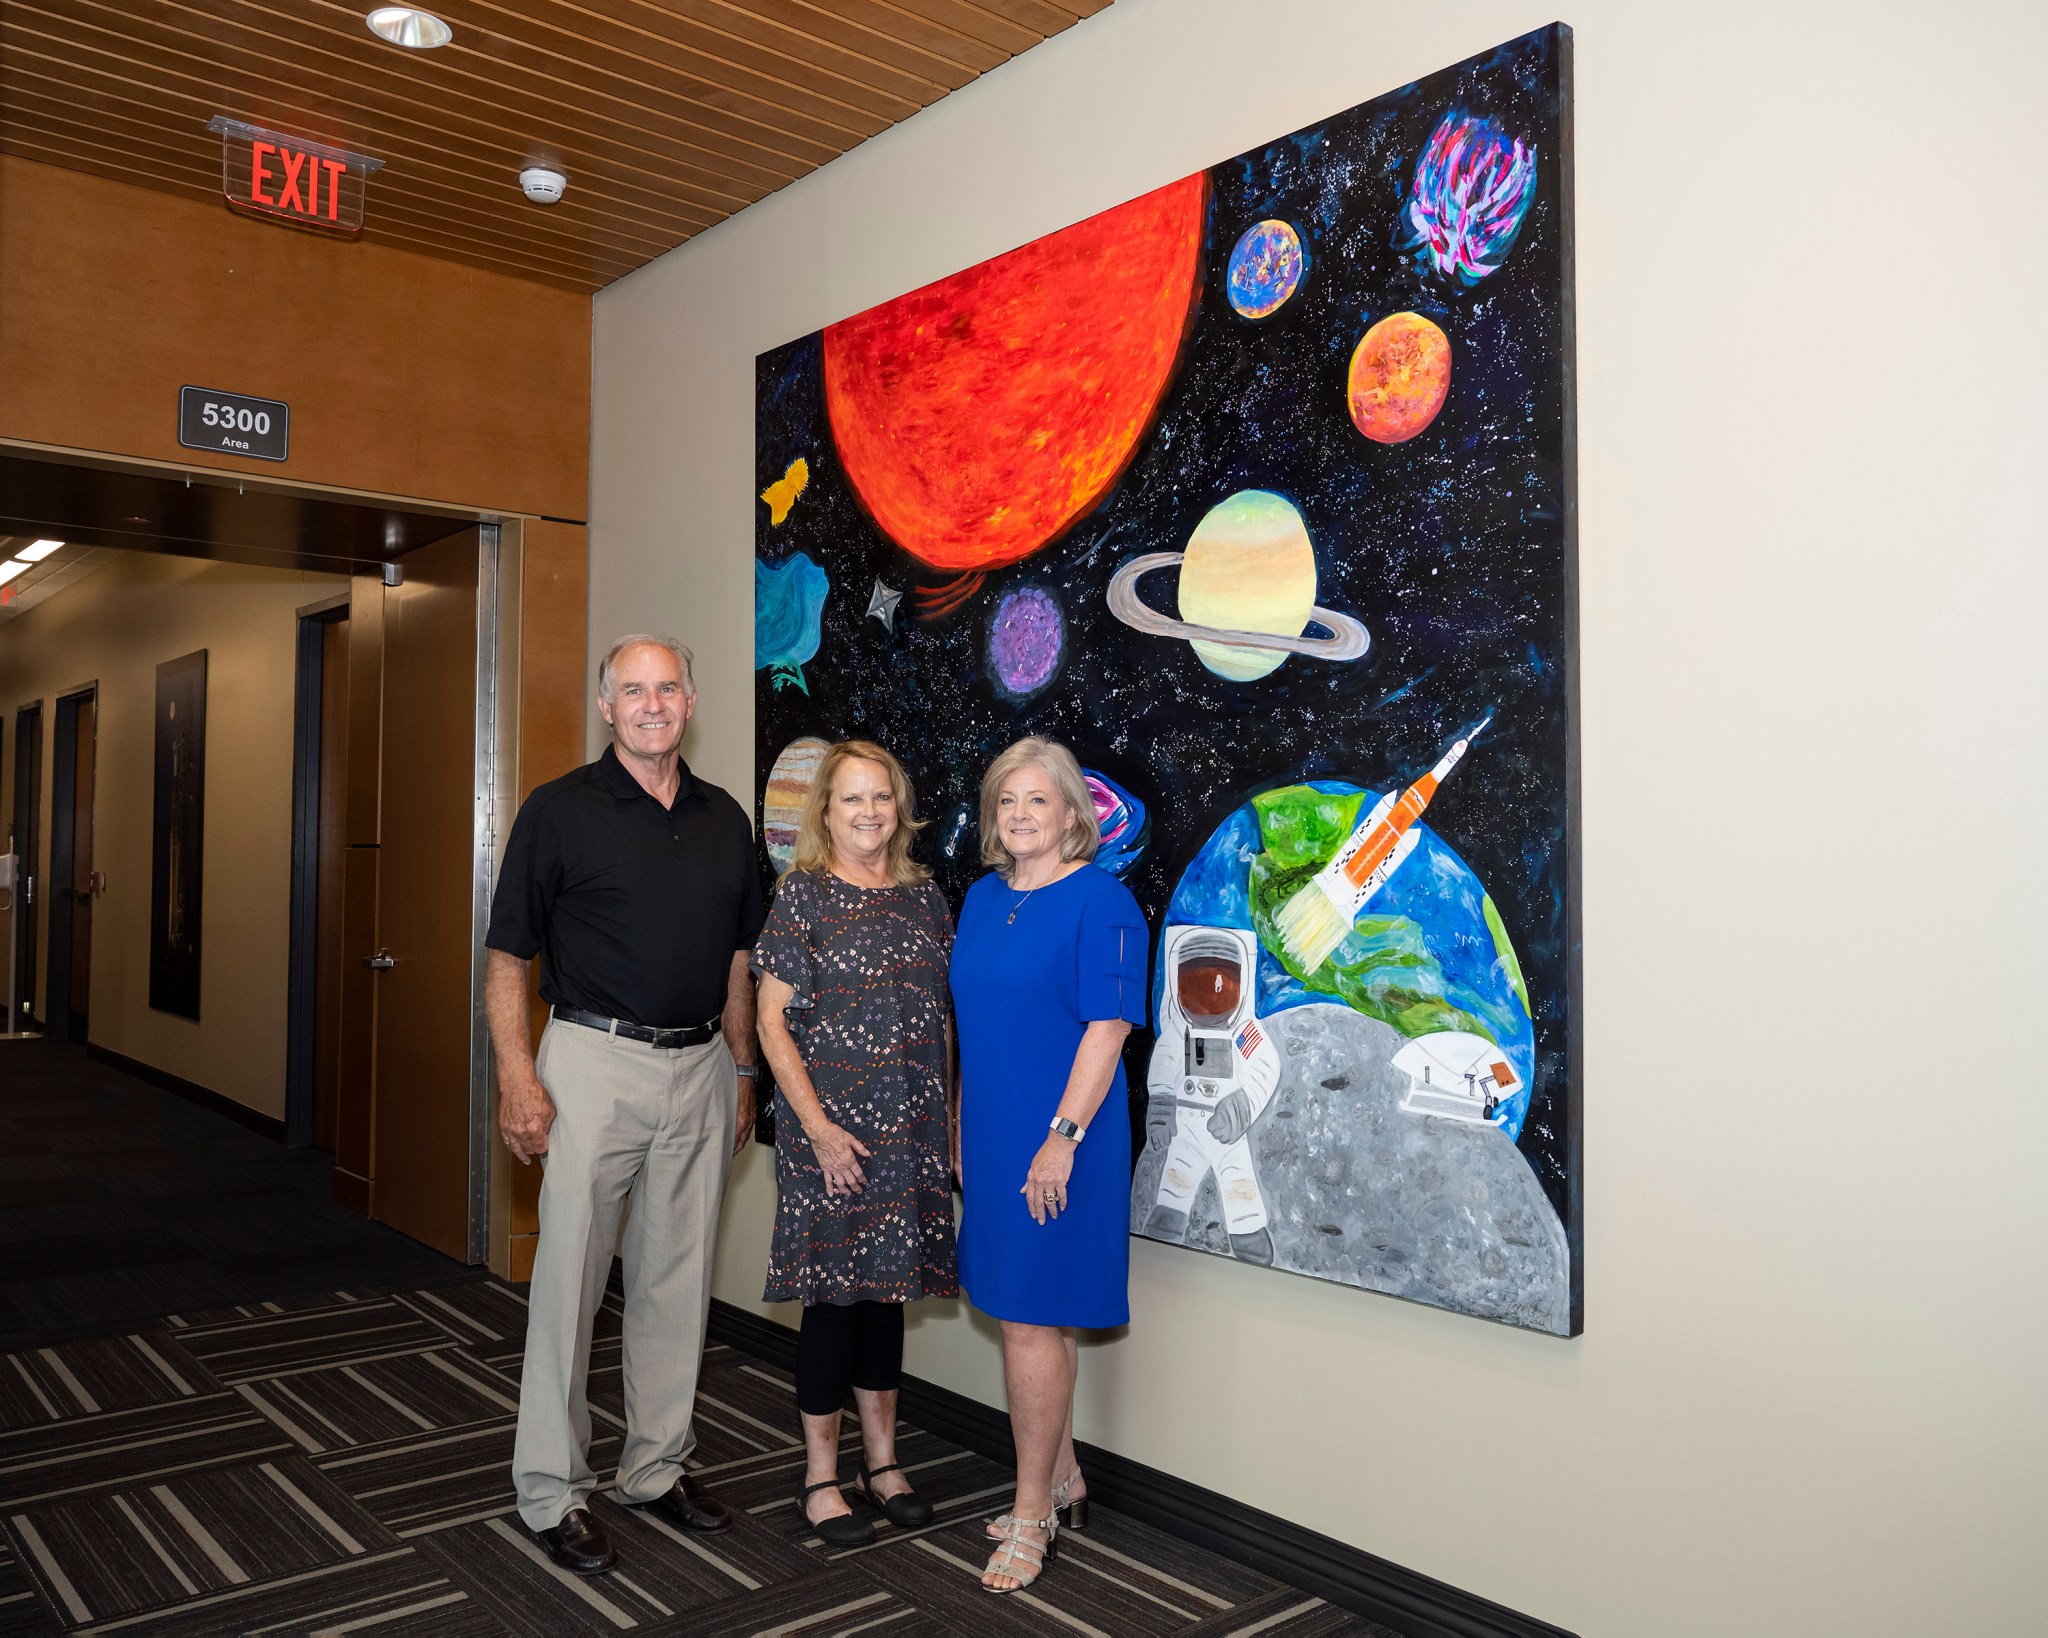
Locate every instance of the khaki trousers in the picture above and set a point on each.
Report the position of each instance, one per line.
(645, 1134)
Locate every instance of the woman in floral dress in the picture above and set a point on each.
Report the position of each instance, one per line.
(855, 1024)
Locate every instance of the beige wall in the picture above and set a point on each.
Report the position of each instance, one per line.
(114, 628)
(1807, 1399)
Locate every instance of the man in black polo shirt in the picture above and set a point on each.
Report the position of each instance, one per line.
(635, 884)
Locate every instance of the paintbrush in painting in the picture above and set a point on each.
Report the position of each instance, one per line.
(1313, 922)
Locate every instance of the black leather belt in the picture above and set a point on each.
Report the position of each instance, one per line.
(667, 1039)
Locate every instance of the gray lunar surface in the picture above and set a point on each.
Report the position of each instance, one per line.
(1420, 1206)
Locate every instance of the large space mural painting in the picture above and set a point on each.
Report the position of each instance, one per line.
(1257, 492)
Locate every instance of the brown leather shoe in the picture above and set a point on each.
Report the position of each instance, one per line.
(578, 1545)
(689, 1506)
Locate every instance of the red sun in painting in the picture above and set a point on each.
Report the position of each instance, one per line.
(980, 416)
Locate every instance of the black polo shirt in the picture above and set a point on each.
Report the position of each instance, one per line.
(635, 909)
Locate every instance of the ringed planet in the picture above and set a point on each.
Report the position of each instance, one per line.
(1247, 591)
(1400, 373)
(1265, 268)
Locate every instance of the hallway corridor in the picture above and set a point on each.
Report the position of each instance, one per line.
(227, 1405)
(120, 1202)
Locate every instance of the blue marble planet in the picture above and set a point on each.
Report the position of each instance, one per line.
(1265, 268)
(1429, 952)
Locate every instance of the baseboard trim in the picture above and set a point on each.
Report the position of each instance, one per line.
(191, 1091)
(1346, 1576)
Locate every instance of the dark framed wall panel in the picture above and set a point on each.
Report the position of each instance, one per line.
(177, 841)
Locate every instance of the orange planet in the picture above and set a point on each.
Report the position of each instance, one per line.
(980, 416)
(1399, 376)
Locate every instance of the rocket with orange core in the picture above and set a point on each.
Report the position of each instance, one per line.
(1315, 920)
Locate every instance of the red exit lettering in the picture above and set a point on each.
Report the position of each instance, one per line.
(291, 177)
(291, 197)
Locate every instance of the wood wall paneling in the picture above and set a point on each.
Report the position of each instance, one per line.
(554, 697)
(406, 375)
(554, 688)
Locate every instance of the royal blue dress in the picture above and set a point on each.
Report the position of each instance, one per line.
(1024, 992)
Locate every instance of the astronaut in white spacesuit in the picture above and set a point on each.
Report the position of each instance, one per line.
(1213, 1072)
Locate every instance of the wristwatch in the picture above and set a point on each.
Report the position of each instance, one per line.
(747, 1071)
(1065, 1128)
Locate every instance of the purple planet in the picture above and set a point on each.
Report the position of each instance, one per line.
(1025, 641)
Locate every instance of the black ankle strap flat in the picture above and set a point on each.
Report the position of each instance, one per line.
(908, 1511)
(842, 1529)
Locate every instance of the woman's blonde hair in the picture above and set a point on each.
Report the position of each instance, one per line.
(1082, 838)
(813, 850)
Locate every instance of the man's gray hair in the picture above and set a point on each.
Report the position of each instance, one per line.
(611, 658)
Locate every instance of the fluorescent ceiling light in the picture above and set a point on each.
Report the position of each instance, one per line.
(9, 570)
(40, 550)
(410, 27)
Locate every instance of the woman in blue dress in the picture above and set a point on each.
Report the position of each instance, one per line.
(1049, 965)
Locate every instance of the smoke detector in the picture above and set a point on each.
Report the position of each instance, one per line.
(541, 185)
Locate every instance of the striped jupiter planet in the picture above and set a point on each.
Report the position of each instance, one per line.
(789, 787)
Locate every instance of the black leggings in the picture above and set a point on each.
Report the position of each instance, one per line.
(855, 1345)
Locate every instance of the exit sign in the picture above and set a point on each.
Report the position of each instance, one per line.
(292, 179)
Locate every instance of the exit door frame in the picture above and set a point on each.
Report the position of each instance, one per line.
(497, 722)
(26, 828)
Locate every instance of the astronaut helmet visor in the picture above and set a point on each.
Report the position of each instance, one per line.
(1208, 978)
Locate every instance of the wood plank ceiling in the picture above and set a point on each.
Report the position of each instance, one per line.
(665, 115)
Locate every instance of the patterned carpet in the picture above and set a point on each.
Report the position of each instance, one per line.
(337, 1463)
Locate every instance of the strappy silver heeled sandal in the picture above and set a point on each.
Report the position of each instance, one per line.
(1071, 1512)
(1007, 1559)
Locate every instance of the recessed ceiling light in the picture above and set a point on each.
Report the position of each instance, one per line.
(40, 550)
(9, 570)
(410, 27)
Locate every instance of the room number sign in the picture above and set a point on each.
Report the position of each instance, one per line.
(233, 422)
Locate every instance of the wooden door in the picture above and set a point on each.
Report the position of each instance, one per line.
(355, 1114)
(28, 842)
(421, 1128)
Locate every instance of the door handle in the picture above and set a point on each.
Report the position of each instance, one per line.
(383, 961)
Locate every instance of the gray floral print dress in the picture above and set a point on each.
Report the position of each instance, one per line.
(868, 965)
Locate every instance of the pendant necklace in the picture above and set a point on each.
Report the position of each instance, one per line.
(1019, 905)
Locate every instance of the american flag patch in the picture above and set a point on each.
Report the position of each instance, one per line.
(1249, 1040)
